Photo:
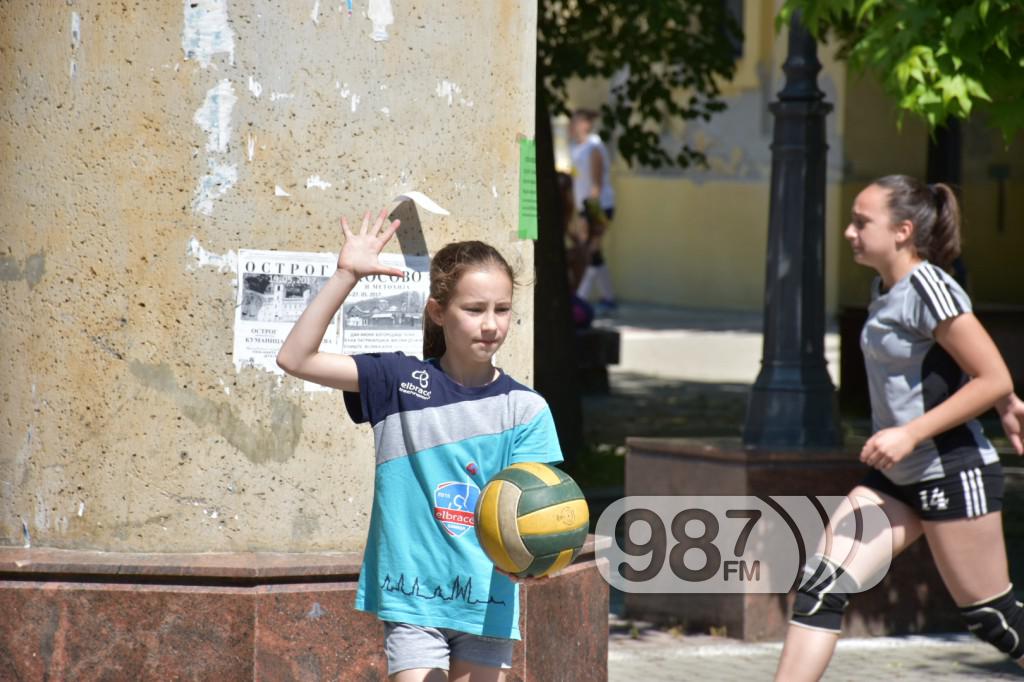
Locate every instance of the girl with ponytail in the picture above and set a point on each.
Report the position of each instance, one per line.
(443, 426)
(446, 270)
(932, 369)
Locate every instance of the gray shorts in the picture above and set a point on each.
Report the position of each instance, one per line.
(416, 646)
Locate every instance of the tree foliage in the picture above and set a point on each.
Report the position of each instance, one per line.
(938, 58)
(664, 59)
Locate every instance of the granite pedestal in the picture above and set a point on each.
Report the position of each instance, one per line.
(79, 615)
(910, 599)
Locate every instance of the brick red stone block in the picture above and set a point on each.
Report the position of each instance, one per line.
(910, 599)
(84, 616)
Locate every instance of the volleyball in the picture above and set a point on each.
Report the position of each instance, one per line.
(532, 519)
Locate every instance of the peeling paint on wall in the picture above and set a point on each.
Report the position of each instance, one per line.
(76, 41)
(213, 185)
(451, 91)
(379, 12)
(204, 258)
(76, 30)
(207, 31)
(214, 116)
(315, 181)
(274, 96)
(255, 88)
(344, 92)
(315, 14)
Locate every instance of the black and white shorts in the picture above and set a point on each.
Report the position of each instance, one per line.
(958, 495)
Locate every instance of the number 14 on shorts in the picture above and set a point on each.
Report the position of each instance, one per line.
(936, 500)
(727, 544)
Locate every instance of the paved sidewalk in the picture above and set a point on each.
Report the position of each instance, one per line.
(696, 345)
(661, 656)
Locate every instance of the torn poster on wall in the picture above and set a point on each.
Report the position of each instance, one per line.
(381, 314)
(384, 313)
(207, 31)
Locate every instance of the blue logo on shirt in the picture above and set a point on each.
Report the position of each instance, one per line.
(454, 504)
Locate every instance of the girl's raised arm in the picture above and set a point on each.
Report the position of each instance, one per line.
(300, 354)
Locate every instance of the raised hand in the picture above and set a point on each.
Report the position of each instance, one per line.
(360, 252)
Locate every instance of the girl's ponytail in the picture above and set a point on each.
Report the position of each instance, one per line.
(934, 212)
(944, 240)
(433, 338)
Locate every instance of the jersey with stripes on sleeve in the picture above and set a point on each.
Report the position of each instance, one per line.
(909, 373)
(437, 444)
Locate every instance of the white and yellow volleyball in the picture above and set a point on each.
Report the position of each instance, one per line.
(532, 519)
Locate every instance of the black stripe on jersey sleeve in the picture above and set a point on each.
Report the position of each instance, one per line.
(935, 276)
(936, 295)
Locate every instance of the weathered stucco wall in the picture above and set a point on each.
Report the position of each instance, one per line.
(132, 174)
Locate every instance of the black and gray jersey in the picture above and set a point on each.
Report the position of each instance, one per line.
(909, 373)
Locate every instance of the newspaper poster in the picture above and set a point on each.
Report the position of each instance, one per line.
(382, 313)
(274, 287)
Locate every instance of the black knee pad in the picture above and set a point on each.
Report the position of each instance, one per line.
(822, 597)
(1000, 622)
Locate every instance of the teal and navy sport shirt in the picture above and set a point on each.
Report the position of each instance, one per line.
(437, 444)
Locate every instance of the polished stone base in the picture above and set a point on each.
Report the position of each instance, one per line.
(72, 615)
(910, 599)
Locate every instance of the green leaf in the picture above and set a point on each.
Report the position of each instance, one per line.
(866, 9)
(977, 90)
(1003, 43)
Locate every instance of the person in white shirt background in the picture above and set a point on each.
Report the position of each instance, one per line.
(595, 201)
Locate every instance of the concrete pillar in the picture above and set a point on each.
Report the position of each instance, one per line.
(142, 145)
(165, 509)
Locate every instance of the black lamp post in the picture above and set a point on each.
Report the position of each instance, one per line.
(793, 402)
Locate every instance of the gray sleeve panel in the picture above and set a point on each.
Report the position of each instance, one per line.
(526, 405)
(405, 433)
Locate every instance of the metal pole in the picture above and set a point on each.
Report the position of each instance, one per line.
(793, 402)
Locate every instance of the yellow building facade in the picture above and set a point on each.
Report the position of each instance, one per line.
(696, 237)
